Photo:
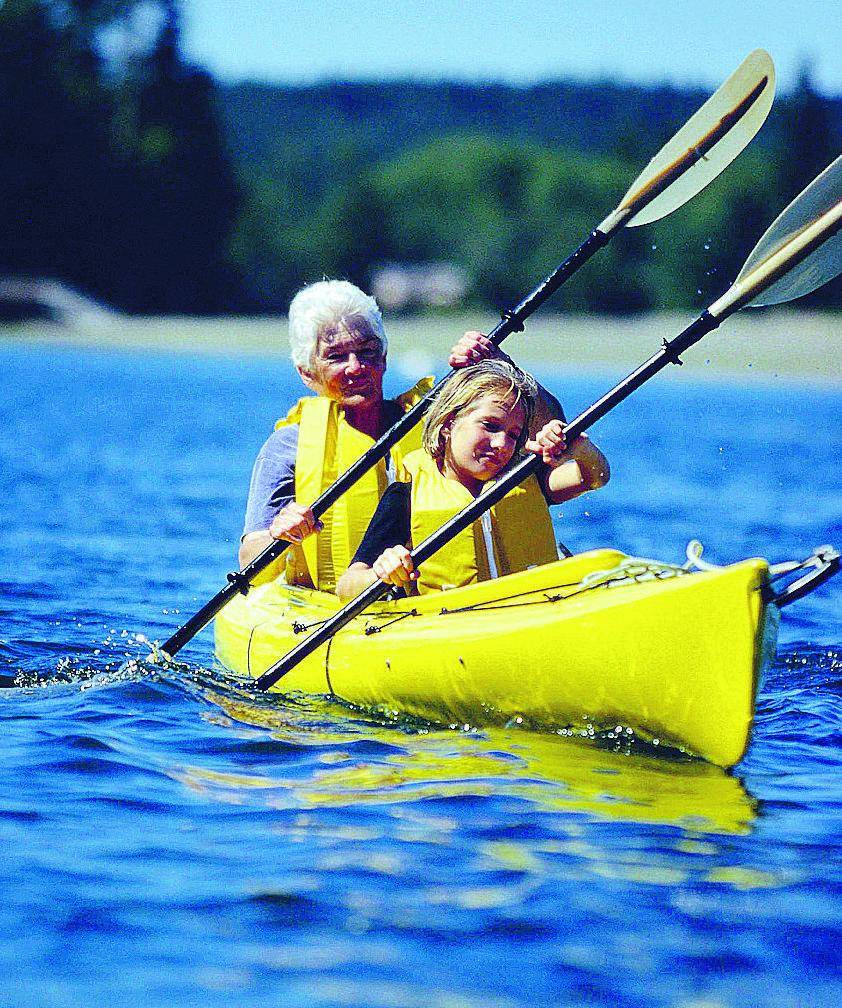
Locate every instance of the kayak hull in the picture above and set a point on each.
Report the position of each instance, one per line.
(582, 642)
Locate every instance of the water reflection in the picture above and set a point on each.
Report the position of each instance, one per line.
(344, 758)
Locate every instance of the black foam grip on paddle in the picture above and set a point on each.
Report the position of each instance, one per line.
(514, 318)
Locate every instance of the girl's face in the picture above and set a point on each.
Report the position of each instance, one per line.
(481, 440)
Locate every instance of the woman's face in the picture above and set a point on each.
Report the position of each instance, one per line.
(481, 439)
(348, 365)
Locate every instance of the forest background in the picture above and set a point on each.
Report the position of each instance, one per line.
(137, 178)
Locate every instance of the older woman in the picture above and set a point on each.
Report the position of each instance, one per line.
(338, 346)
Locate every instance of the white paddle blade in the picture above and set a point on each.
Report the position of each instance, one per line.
(817, 201)
(801, 251)
(705, 145)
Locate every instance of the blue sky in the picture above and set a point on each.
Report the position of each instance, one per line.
(682, 41)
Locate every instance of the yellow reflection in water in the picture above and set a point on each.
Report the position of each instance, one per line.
(552, 771)
(514, 856)
(747, 878)
(204, 781)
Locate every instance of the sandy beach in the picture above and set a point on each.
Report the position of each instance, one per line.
(785, 344)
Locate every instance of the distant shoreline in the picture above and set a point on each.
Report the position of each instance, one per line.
(775, 343)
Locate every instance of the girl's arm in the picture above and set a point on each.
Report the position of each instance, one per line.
(356, 579)
(394, 566)
(570, 470)
(389, 525)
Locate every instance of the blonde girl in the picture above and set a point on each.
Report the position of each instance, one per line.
(478, 425)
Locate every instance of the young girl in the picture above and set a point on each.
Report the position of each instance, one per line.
(478, 424)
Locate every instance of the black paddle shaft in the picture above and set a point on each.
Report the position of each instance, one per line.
(668, 354)
(512, 321)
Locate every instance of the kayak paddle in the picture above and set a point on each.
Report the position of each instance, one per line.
(702, 149)
(799, 252)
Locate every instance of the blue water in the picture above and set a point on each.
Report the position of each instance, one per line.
(169, 839)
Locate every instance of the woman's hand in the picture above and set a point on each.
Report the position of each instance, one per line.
(550, 443)
(294, 523)
(394, 566)
(472, 348)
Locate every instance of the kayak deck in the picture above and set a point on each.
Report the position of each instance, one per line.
(675, 656)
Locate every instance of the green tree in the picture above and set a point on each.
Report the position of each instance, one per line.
(55, 163)
(807, 134)
(507, 213)
(354, 225)
(187, 198)
(809, 144)
(117, 184)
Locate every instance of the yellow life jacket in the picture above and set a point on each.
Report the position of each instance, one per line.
(327, 446)
(521, 530)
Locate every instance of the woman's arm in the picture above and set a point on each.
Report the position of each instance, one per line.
(476, 346)
(252, 545)
(294, 523)
(271, 511)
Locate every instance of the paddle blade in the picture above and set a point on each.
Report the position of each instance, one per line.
(705, 145)
(818, 200)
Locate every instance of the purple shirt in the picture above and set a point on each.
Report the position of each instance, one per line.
(272, 484)
(272, 479)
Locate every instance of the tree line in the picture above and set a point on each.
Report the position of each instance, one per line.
(115, 178)
(138, 179)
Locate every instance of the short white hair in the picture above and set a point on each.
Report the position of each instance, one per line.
(323, 305)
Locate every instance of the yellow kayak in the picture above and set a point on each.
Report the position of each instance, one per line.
(596, 640)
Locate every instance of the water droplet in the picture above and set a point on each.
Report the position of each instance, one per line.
(707, 246)
(654, 248)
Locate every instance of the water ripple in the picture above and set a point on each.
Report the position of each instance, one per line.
(171, 836)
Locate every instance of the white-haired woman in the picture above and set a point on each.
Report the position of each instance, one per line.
(338, 346)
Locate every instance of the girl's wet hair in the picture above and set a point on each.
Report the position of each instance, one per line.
(497, 378)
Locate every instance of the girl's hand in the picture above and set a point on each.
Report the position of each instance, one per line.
(394, 566)
(294, 523)
(472, 348)
(550, 443)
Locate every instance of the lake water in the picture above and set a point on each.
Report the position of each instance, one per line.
(169, 841)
